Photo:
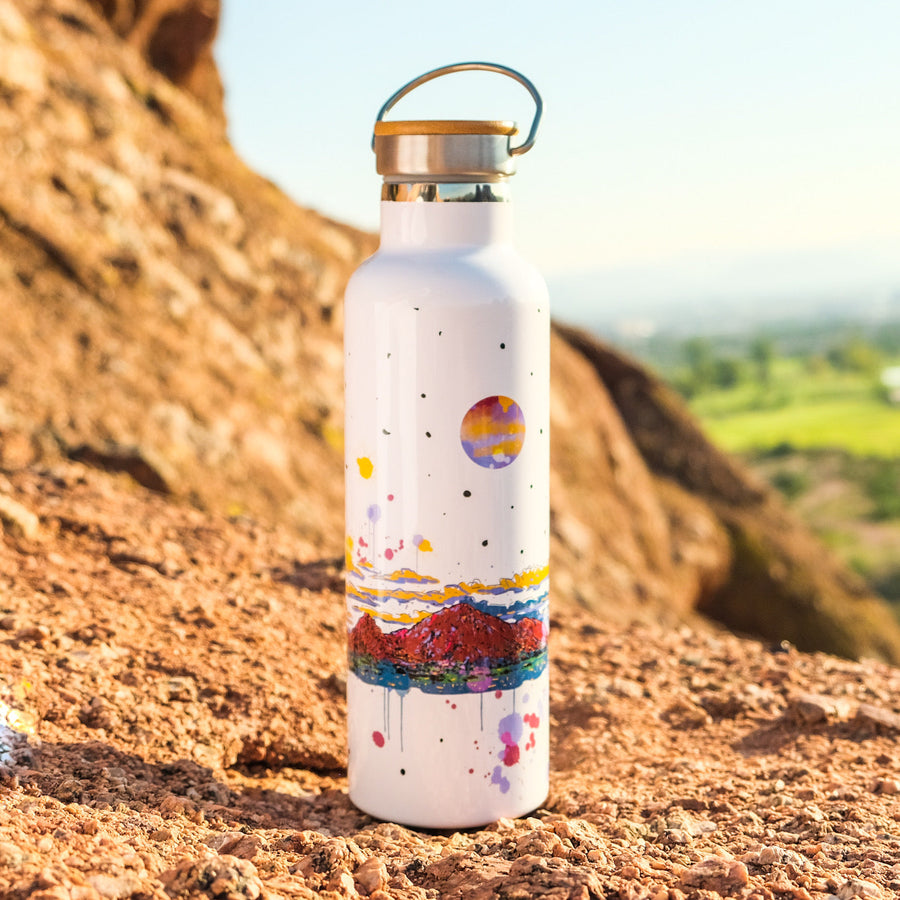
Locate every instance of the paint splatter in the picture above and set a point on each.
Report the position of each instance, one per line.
(365, 466)
(511, 755)
(500, 779)
(510, 731)
(374, 512)
(378, 738)
(493, 431)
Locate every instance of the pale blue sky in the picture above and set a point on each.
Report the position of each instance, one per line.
(687, 135)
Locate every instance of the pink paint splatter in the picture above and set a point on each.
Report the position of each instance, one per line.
(510, 732)
(531, 719)
(390, 496)
(511, 755)
(378, 738)
(388, 554)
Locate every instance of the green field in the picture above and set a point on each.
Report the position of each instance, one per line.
(805, 409)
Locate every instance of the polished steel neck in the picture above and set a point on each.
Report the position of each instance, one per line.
(434, 192)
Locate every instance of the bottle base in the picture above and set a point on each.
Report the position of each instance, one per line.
(437, 761)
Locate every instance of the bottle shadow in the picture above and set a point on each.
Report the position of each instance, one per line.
(101, 777)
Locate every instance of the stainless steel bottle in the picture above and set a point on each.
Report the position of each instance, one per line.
(447, 495)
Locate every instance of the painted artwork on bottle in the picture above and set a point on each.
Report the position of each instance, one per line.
(447, 575)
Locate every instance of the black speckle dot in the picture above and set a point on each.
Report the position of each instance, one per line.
(442, 740)
(440, 333)
(467, 493)
(512, 506)
(484, 543)
(427, 434)
(403, 771)
(389, 356)
(416, 308)
(502, 346)
(385, 431)
(423, 396)
(522, 552)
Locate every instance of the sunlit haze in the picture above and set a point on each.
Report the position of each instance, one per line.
(688, 149)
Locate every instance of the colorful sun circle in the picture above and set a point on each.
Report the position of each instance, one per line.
(493, 432)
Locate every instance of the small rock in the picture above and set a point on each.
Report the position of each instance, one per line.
(371, 876)
(716, 874)
(868, 716)
(218, 876)
(858, 888)
(181, 687)
(17, 519)
(33, 634)
(235, 843)
(56, 892)
(685, 715)
(141, 463)
(12, 856)
(342, 883)
(888, 786)
(115, 887)
(811, 709)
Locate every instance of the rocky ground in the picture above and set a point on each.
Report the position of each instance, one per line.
(173, 726)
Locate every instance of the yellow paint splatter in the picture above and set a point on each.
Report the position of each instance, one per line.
(425, 546)
(505, 403)
(365, 466)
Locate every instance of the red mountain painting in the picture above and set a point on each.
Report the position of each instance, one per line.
(459, 648)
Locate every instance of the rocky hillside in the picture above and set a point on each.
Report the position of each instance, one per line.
(169, 314)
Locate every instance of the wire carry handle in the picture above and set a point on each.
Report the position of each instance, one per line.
(525, 146)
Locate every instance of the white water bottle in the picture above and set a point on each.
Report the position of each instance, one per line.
(447, 484)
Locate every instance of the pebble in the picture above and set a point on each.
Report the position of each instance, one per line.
(371, 876)
(864, 890)
(890, 786)
(716, 873)
(812, 709)
(217, 876)
(17, 519)
(12, 856)
(235, 843)
(115, 887)
(881, 719)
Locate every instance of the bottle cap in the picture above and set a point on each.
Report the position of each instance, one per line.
(463, 151)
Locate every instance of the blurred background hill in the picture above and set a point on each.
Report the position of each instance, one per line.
(171, 316)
